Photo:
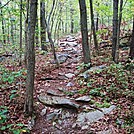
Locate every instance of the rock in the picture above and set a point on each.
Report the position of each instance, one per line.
(62, 89)
(68, 49)
(57, 101)
(69, 75)
(54, 92)
(52, 116)
(84, 127)
(43, 112)
(109, 131)
(93, 116)
(47, 78)
(101, 67)
(66, 115)
(70, 84)
(62, 58)
(108, 110)
(83, 99)
(72, 44)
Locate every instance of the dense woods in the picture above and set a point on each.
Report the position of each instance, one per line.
(66, 66)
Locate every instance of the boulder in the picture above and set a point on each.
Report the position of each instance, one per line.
(83, 99)
(58, 101)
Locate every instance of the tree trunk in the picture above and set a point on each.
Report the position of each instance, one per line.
(71, 17)
(43, 27)
(131, 54)
(3, 28)
(84, 32)
(31, 59)
(26, 33)
(20, 31)
(51, 43)
(37, 33)
(115, 29)
(93, 26)
(118, 33)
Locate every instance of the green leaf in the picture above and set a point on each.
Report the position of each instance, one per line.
(3, 128)
(12, 96)
(13, 91)
(20, 125)
(16, 131)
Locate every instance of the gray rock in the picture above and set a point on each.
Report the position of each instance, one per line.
(101, 67)
(57, 101)
(72, 44)
(69, 75)
(83, 99)
(84, 127)
(52, 116)
(62, 58)
(109, 131)
(93, 115)
(54, 92)
(70, 84)
(43, 112)
(68, 49)
(62, 89)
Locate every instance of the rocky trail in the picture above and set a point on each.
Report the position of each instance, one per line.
(61, 108)
(69, 99)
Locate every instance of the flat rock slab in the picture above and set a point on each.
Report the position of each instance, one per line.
(93, 116)
(109, 131)
(58, 101)
(54, 92)
(83, 99)
(69, 75)
(101, 67)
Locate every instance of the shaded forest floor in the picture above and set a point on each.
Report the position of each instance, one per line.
(112, 85)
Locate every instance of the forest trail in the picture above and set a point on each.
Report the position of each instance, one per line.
(59, 88)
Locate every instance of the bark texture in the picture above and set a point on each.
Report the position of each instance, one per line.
(115, 29)
(93, 25)
(84, 32)
(31, 59)
(131, 54)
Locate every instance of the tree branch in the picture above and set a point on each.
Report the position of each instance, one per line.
(6, 4)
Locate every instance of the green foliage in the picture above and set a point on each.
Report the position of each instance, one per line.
(119, 80)
(96, 92)
(10, 77)
(10, 128)
(104, 104)
(13, 94)
(3, 112)
(82, 91)
(82, 66)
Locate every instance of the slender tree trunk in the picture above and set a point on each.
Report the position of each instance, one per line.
(93, 26)
(3, 28)
(51, 43)
(131, 54)
(66, 24)
(43, 27)
(37, 33)
(84, 32)
(71, 18)
(28, 107)
(12, 32)
(115, 29)
(97, 22)
(118, 33)
(26, 33)
(20, 32)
